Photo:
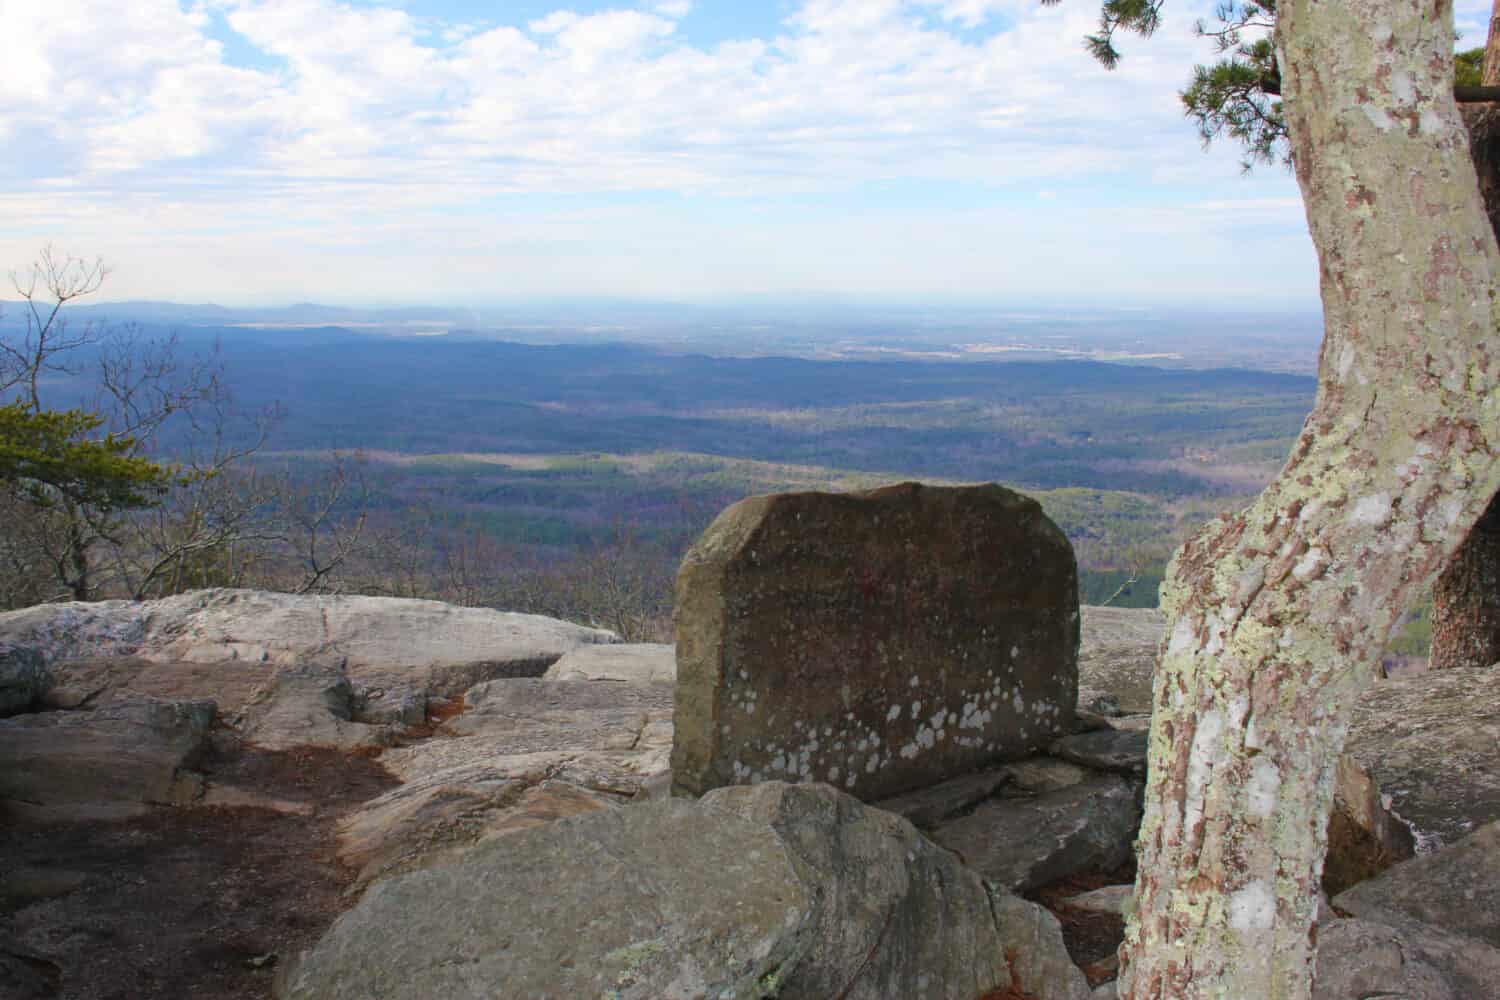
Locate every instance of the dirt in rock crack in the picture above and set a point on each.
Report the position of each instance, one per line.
(1092, 939)
(196, 904)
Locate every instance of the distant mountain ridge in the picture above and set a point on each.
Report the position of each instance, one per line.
(300, 314)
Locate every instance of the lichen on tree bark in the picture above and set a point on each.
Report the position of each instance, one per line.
(1280, 612)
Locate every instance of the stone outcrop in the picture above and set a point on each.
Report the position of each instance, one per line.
(771, 890)
(876, 641)
(1363, 959)
(100, 681)
(450, 646)
(108, 763)
(1431, 741)
(527, 751)
(1456, 889)
(335, 671)
(307, 704)
(1025, 843)
(1030, 822)
(1108, 749)
(634, 663)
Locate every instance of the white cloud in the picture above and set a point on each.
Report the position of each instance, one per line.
(360, 118)
(852, 89)
(671, 8)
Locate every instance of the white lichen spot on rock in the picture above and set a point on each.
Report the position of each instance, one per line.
(893, 713)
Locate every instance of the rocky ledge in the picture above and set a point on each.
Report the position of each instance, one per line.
(502, 752)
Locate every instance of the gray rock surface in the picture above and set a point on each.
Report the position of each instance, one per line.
(1431, 741)
(926, 807)
(23, 679)
(1456, 889)
(527, 751)
(307, 704)
(1024, 843)
(208, 626)
(1117, 658)
(1362, 959)
(100, 681)
(1033, 943)
(1110, 899)
(879, 641)
(1123, 751)
(112, 762)
(636, 663)
(771, 890)
(393, 655)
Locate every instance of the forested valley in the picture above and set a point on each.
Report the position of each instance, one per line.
(569, 479)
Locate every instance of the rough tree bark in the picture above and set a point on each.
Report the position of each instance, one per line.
(1466, 600)
(1279, 613)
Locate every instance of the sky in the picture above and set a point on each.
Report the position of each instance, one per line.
(460, 152)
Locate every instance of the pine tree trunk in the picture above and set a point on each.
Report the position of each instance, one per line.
(1280, 613)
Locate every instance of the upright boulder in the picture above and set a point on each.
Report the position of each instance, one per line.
(877, 641)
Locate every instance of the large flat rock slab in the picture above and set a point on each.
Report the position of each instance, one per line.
(526, 752)
(877, 641)
(209, 626)
(1431, 742)
(100, 681)
(633, 663)
(775, 890)
(393, 657)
